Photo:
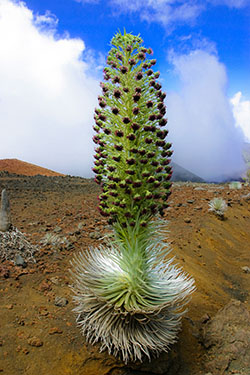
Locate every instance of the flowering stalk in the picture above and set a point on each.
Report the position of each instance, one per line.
(132, 157)
(128, 297)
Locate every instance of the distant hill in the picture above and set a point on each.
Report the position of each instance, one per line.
(22, 167)
(182, 174)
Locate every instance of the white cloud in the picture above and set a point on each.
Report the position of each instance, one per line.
(201, 123)
(47, 94)
(230, 3)
(170, 12)
(241, 111)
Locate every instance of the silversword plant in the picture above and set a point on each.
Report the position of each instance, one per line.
(128, 297)
(235, 185)
(218, 206)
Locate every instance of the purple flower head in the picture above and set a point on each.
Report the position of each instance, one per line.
(107, 77)
(116, 158)
(142, 152)
(134, 150)
(128, 181)
(97, 111)
(117, 93)
(152, 83)
(170, 153)
(111, 169)
(138, 76)
(159, 116)
(137, 183)
(102, 104)
(102, 117)
(151, 179)
(168, 177)
(126, 120)
(96, 128)
(149, 104)
(145, 66)
(119, 133)
(137, 197)
(143, 161)
(131, 137)
(160, 134)
(131, 172)
(141, 56)
(160, 105)
(151, 154)
(136, 97)
(159, 169)
(149, 72)
(129, 48)
(118, 147)
(130, 161)
(163, 122)
(126, 89)
(113, 65)
(157, 184)
(160, 143)
(132, 223)
(115, 110)
(135, 126)
(147, 128)
(123, 69)
(138, 90)
(163, 96)
(122, 184)
(143, 224)
(156, 196)
(150, 51)
(153, 62)
(163, 110)
(118, 56)
(155, 163)
(167, 146)
(104, 88)
(157, 86)
(132, 62)
(136, 110)
(143, 49)
(101, 143)
(122, 205)
(116, 79)
(145, 174)
(148, 140)
(157, 75)
(165, 161)
(152, 117)
(116, 179)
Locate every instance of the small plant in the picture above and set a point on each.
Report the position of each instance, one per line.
(235, 185)
(128, 297)
(247, 177)
(218, 206)
(53, 240)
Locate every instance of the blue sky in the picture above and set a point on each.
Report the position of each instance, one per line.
(52, 53)
(222, 25)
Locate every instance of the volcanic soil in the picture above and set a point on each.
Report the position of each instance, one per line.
(38, 333)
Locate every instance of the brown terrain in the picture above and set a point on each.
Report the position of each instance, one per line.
(38, 333)
(24, 168)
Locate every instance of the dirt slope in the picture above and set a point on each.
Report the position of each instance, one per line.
(27, 169)
(39, 335)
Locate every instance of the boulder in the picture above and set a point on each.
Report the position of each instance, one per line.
(5, 220)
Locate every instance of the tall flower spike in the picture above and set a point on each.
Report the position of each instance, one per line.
(128, 297)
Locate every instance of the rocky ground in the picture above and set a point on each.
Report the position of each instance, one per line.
(58, 217)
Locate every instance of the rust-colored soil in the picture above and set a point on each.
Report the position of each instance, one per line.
(24, 168)
(38, 337)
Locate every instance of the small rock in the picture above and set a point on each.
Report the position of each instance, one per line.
(187, 220)
(19, 261)
(246, 269)
(34, 341)
(61, 301)
(190, 201)
(54, 330)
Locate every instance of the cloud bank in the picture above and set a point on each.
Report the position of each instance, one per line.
(47, 94)
(201, 123)
(241, 111)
